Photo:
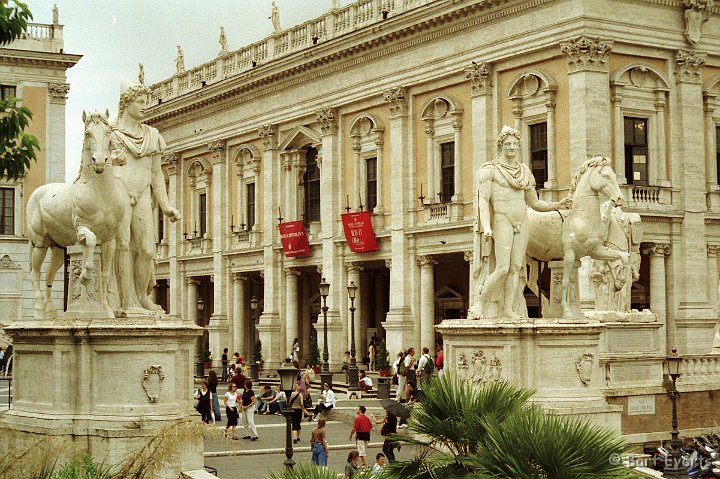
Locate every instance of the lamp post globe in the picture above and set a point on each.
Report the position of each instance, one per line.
(288, 374)
(325, 374)
(200, 364)
(352, 368)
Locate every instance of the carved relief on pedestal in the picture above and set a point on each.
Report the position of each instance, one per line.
(584, 367)
(153, 377)
(7, 263)
(478, 368)
(90, 290)
(586, 54)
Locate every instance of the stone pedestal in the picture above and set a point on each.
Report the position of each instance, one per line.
(558, 360)
(104, 384)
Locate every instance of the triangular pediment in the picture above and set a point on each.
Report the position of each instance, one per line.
(299, 137)
(446, 293)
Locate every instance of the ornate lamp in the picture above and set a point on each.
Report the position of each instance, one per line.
(325, 374)
(674, 466)
(288, 375)
(352, 368)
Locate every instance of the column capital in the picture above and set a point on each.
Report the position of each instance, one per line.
(291, 272)
(586, 54)
(238, 277)
(657, 249)
(58, 92)
(426, 260)
(354, 266)
(468, 256)
(713, 249)
(397, 98)
(170, 162)
(388, 263)
(268, 133)
(191, 281)
(480, 76)
(327, 120)
(688, 66)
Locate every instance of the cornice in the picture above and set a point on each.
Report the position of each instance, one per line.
(30, 58)
(249, 85)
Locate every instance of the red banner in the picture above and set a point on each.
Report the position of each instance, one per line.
(294, 239)
(359, 232)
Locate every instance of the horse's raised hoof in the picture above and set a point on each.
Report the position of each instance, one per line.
(85, 277)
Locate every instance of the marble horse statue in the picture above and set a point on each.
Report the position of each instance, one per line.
(87, 212)
(569, 236)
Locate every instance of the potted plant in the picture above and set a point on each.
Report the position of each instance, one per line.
(256, 361)
(382, 362)
(206, 358)
(314, 355)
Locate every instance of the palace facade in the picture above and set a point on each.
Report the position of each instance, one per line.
(33, 69)
(391, 107)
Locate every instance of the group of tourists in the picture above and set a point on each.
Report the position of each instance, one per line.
(409, 372)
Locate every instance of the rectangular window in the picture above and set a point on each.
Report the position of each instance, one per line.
(202, 213)
(7, 91)
(311, 180)
(538, 153)
(161, 226)
(636, 151)
(250, 202)
(447, 174)
(7, 221)
(717, 153)
(371, 185)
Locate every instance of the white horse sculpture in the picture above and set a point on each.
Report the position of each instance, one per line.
(583, 230)
(87, 212)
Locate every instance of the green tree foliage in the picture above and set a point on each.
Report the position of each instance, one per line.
(381, 356)
(469, 431)
(314, 352)
(17, 148)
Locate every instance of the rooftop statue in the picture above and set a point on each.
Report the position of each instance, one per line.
(87, 212)
(141, 74)
(506, 189)
(223, 42)
(140, 147)
(180, 60)
(275, 18)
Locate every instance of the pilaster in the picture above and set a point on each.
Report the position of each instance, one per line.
(218, 325)
(238, 325)
(292, 283)
(170, 163)
(658, 303)
(55, 138)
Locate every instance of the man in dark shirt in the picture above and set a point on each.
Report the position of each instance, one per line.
(248, 412)
(224, 362)
(264, 400)
(239, 379)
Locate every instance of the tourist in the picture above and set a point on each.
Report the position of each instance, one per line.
(264, 400)
(248, 412)
(352, 464)
(371, 356)
(326, 401)
(423, 367)
(224, 362)
(361, 428)
(318, 444)
(278, 403)
(212, 386)
(295, 402)
(231, 410)
(364, 383)
(400, 373)
(378, 466)
(295, 351)
(440, 361)
(389, 426)
(238, 379)
(203, 397)
(141, 147)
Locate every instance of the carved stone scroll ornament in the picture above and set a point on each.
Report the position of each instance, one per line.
(153, 377)
(584, 366)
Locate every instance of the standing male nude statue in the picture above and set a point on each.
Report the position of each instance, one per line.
(141, 147)
(507, 188)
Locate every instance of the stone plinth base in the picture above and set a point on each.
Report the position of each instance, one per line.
(554, 307)
(106, 385)
(558, 360)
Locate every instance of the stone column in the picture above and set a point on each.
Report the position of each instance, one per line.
(658, 305)
(468, 257)
(379, 209)
(380, 311)
(292, 282)
(484, 149)
(457, 128)
(174, 231)
(332, 262)
(427, 301)
(218, 325)
(618, 134)
(688, 143)
(711, 173)
(269, 326)
(712, 275)
(239, 323)
(589, 100)
(55, 138)
(353, 273)
(661, 167)
(192, 295)
(399, 321)
(551, 182)
(431, 168)
(357, 190)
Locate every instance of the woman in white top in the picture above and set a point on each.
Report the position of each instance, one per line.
(327, 401)
(231, 410)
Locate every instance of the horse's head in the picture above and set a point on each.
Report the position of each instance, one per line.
(604, 180)
(96, 143)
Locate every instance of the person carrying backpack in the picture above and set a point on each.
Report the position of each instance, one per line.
(426, 365)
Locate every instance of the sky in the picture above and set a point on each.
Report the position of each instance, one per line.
(115, 35)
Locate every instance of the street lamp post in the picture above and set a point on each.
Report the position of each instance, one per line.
(288, 373)
(352, 368)
(200, 365)
(325, 374)
(675, 468)
(253, 361)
